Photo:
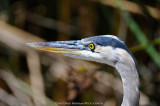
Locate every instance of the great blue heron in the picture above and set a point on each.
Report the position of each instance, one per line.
(106, 49)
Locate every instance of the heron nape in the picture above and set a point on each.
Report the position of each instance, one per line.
(106, 49)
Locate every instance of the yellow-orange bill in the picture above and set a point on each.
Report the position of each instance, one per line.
(63, 47)
(57, 50)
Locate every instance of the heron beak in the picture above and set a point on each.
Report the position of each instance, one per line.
(63, 47)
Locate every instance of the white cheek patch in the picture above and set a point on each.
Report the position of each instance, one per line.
(109, 56)
(86, 55)
(112, 55)
(105, 51)
(91, 55)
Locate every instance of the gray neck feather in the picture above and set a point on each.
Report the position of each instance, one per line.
(130, 79)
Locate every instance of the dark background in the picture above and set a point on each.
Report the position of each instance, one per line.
(33, 77)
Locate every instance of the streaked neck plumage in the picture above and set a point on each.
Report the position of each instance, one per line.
(130, 78)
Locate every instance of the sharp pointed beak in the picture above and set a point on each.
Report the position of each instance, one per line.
(64, 47)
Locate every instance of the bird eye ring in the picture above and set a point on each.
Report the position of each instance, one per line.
(91, 46)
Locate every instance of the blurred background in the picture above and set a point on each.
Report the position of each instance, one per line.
(30, 77)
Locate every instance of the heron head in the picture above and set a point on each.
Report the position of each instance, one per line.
(98, 48)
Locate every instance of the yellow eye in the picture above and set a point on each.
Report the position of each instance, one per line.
(91, 46)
